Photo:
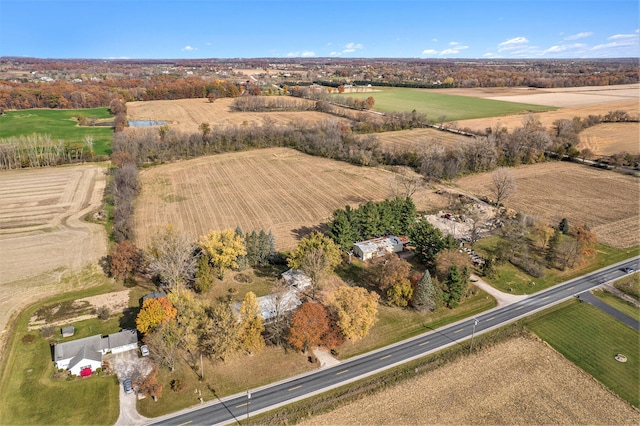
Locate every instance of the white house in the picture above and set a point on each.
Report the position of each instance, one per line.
(377, 247)
(83, 356)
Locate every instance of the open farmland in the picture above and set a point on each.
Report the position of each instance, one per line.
(521, 381)
(42, 233)
(605, 201)
(275, 189)
(188, 114)
(438, 104)
(611, 138)
(59, 124)
(413, 139)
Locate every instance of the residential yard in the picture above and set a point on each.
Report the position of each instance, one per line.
(28, 390)
(591, 339)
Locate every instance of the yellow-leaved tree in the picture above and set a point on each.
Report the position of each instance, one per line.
(316, 255)
(251, 324)
(154, 312)
(223, 249)
(357, 310)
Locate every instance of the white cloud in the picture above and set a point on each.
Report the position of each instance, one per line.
(618, 41)
(566, 48)
(622, 36)
(348, 48)
(189, 48)
(514, 43)
(303, 54)
(429, 52)
(453, 43)
(578, 36)
(435, 40)
(453, 50)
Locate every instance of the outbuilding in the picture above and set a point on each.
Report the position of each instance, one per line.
(377, 247)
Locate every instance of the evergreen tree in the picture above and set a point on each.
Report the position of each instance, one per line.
(564, 226)
(272, 247)
(427, 296)
(428, 241)
(454, 287)
(408, 215)
(341, 231)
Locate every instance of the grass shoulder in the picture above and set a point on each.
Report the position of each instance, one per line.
(629, 285)
(619, 304)
(511, 279)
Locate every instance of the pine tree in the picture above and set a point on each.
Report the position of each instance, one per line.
(427, 296)
(341, 231)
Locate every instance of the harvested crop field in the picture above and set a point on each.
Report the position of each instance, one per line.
(41, 228)
(413, 139)
(605, 201)
(521, 381)
(547, 118)
(275, 189)
(188, 114)
(611, 138)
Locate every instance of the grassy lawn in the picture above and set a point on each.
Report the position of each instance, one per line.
(629, 285)
(395, 324)
(511, 279)
(621, 305)
(435, 105)
(591, 339)
(59, 124)
(237, 374)
(29, 393)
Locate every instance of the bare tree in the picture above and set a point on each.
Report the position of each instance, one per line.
(503, 185)
(171, 257)
(406, 183)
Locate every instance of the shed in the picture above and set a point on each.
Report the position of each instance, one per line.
(68, 331)
(296, 279)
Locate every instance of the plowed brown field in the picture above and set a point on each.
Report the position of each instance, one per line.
(275, 189)
(188, 114)
(608, 202)
(611, 138)
(521, 381)
(42, 233)
(415, 138)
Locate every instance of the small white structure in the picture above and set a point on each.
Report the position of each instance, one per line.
(84, 354)
(296, 279)
(377, 247)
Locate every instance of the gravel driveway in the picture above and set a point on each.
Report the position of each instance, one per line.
(128, 365)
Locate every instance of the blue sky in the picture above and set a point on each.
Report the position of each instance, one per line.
(319, 28)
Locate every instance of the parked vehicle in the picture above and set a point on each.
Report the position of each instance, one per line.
(144, 350)
(128, 388)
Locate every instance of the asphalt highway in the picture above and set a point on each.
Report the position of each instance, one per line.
(234, 408)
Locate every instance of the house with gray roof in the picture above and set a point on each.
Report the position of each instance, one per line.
(83, 356)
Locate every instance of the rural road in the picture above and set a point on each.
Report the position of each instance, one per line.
(237, 407)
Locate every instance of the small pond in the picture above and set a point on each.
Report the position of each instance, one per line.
(146, 123)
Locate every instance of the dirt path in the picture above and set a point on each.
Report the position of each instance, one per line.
(501, 297)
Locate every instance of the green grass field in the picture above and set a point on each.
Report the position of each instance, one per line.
(59, 124)
(436, 105)
(591, 339)
(616, 302)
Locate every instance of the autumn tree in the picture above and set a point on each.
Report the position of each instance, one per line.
(154, 312)
(223, 249)
(190, 312)
(586, 241)
(279, 302)
(205, 275)
(503, 185)
(308, 325)
(356, 310)
(316, 255)
(391, 275)
(171, 257)
(149, 384)
(124, 260)
(448, 258)
(542, 233)
(251, 324)
(426, 296)
(164, 342)
(219, 337)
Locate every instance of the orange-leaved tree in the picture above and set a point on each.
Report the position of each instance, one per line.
(125, 259)
(153, 313)
(308, 326)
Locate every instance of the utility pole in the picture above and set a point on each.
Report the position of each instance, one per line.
(201, 368)
(248, 401)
